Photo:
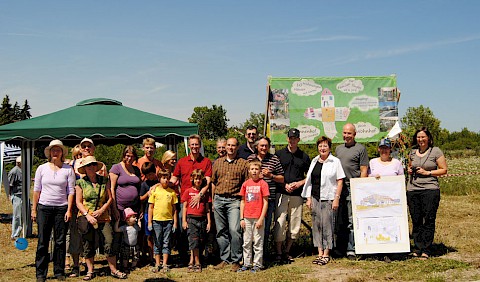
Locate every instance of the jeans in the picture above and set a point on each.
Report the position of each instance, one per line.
(48, 218)
(229, 232)
(162, 232)
(423, 205)
(17, 215)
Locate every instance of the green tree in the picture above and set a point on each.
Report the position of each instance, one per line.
(254, 119)
(25, 111)
(7, 113)
(417, 117)
(212, 122)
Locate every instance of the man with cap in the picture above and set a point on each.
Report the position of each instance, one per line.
(289, 201)
(354, 159)
(15, 194)
(88, 149)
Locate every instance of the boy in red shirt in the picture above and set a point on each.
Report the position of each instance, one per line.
(196, 219)
(253, 209)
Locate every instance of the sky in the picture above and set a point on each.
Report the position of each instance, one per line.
(167, 57)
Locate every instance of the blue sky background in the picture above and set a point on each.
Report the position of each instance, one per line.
(166, 57)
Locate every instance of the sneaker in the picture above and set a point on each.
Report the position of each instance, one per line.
(351, 255)
(243, 268)
(255, 269)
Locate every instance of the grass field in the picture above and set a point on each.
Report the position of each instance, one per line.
(456, 256)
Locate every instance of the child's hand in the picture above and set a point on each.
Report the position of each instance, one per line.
(150, 228)
(242, 224)
(259, 224)
(208, 227)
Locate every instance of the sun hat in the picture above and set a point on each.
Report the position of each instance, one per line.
(54, 143)
(86, 140)
(129, 212)
(293, 132)
(88, 160)
(385, 142)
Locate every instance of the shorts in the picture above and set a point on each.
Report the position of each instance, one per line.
(197, 231)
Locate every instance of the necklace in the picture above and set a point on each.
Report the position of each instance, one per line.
(424, 150)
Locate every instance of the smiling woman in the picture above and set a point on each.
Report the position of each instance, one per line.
(52, 208)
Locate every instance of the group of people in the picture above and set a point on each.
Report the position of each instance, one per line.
(150, 203)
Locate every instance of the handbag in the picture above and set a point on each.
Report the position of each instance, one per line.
(82, 223)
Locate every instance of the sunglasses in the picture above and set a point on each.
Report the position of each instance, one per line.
(91, 164)
(251, 134)
(86, 146)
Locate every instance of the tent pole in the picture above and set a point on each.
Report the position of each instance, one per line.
(27, 161)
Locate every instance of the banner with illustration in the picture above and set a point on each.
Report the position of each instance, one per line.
(319, 106)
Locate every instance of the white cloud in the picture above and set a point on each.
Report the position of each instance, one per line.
(306, 87)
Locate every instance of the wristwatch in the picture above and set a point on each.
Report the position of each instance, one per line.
(85, 213)
(201, 194)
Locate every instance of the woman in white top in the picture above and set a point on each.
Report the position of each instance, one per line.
(322, 189)
(385, 165)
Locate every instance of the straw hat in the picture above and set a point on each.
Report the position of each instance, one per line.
(54, 143)
(88, 160)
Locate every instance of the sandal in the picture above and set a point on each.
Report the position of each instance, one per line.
(324, 261)
(75, 272)
(288, 258)
(118, 274)
(197, 268)
(68, 267)
(190, 268)
(317, 260)
(424, 256)
(89, 276)
(165, 269)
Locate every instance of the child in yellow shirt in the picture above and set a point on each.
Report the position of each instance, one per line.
(162, 218)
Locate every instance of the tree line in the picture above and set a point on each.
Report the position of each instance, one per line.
(213, 124)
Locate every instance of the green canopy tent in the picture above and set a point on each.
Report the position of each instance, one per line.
(105, 121)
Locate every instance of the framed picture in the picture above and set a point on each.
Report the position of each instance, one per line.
(380, 218)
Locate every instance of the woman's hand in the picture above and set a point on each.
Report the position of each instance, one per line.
(309, 203)
(91, 219)
(335, 204)
(33, 214)
(97, 213)
(68, 216)
(185, 225)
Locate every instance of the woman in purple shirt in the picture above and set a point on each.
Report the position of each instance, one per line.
(125, 182)
(52, 208)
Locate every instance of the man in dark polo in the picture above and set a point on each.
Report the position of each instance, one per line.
(229, 173)
(245, 150)
(289, 202)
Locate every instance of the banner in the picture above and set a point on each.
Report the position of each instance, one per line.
(319, 106)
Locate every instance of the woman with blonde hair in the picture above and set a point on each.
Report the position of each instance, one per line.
(169, 159)
(52, 209)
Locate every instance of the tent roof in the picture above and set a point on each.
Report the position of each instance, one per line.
(100, 118)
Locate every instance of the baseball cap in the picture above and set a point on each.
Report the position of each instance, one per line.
(293, 132)
(385, 142)
(87, 140)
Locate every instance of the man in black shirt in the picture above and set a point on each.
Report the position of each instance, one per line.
(245, 150)
(289, 203)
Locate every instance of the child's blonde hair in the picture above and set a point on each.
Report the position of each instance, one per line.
(254, 162)
(197, 173)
